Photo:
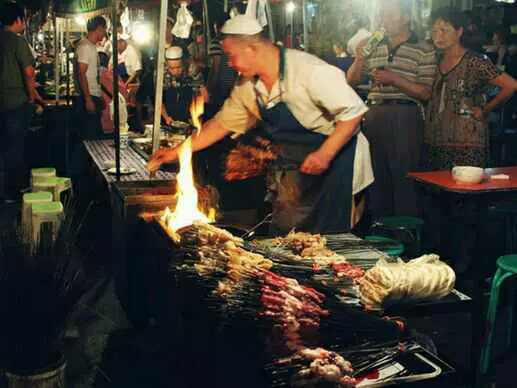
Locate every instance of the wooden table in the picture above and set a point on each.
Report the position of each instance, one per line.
(480, 196)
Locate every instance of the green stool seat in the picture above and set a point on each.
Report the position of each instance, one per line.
(506, 268)
(30, 199)
(387, 245)
(413, 226)
(51, 212)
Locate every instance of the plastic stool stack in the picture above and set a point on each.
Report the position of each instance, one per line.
(44, 204)
(50, 212)
(30, 199)
(506, 267)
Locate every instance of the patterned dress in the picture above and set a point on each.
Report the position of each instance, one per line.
(452, 136)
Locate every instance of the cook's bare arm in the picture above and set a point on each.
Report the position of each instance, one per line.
(211, 133)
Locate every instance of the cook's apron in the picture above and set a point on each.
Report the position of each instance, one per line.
(177, 101)
(313, 203)
(122, 71)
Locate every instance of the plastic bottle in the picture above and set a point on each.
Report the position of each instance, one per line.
(373, 42)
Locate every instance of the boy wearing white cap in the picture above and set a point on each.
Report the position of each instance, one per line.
(129, 60)
(181, 83)
(310, 113)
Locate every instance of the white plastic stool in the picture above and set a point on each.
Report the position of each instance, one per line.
(51, 212)
(62, 184)
(30, 199)
(38, 173)
(55, 185)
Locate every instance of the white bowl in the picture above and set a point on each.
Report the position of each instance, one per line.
(468, 174)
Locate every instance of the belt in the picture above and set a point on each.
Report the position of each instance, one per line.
(390, 102)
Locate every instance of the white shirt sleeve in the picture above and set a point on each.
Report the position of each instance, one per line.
(133, 61)
(83, 55)
(329, 89)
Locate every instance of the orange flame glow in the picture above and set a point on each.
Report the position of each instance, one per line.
(187, 210)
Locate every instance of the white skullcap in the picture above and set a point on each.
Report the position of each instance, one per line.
(173, 53)
(242, 25)
(124, 36)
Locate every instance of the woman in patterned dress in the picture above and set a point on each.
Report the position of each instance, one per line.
(456, 129)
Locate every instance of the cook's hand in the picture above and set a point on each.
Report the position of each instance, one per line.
(161, 156)
(90, 106)
(385, 77)
(315, 163)
(478, 113)
(168, 120)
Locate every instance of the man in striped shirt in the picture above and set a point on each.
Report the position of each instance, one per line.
(402, 71)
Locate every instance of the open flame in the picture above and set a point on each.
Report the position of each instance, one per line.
(187, 210)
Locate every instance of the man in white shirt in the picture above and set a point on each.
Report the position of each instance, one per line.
(310, 112)
(129, 61)
(88, 104)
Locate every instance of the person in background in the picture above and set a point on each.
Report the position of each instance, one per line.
(169, 38)
(340, 59)
(473, 37)
(88, 103)
(402, 70)
(17, 95)
(181, 83)
(499, 39)
(221, 77)
(129, 62)
(106, 80)
(456, 128)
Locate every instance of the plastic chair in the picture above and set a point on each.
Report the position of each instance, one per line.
(391, 247)
(506, 267)
(30, 199)
(56, 185)
(39, 173)
(51, 212)
(412, 226)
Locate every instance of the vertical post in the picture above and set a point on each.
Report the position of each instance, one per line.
(225, 6)
(116, 107)
(208, 35)
(269, 16)
(67, 41)
(160, 63)
(56, 58)
(305, 26)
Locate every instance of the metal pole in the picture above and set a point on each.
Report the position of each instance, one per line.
(208, 35)
(56, 59)
(305, 26)
(67, 41)
(270, 21)
(116, 108)
(225, 6)
(160, 63)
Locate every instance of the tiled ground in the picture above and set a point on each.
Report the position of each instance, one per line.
(105, 351)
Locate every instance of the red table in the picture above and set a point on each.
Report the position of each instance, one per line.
(444, 181)
(480, 195)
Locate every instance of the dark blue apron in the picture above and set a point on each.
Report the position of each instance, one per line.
(122, 71)
(177, 100)
(316, 204)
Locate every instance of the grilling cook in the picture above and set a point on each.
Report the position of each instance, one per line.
(310, 113)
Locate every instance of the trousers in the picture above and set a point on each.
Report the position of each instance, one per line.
(395, 133)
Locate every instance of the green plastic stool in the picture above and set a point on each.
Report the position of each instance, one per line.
(30, 199)
(506, 267)
(51, 212)
(391, 247)
(413, 226)
(44, 172)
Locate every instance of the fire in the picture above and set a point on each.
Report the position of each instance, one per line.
(197, 108)
(187, 210)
